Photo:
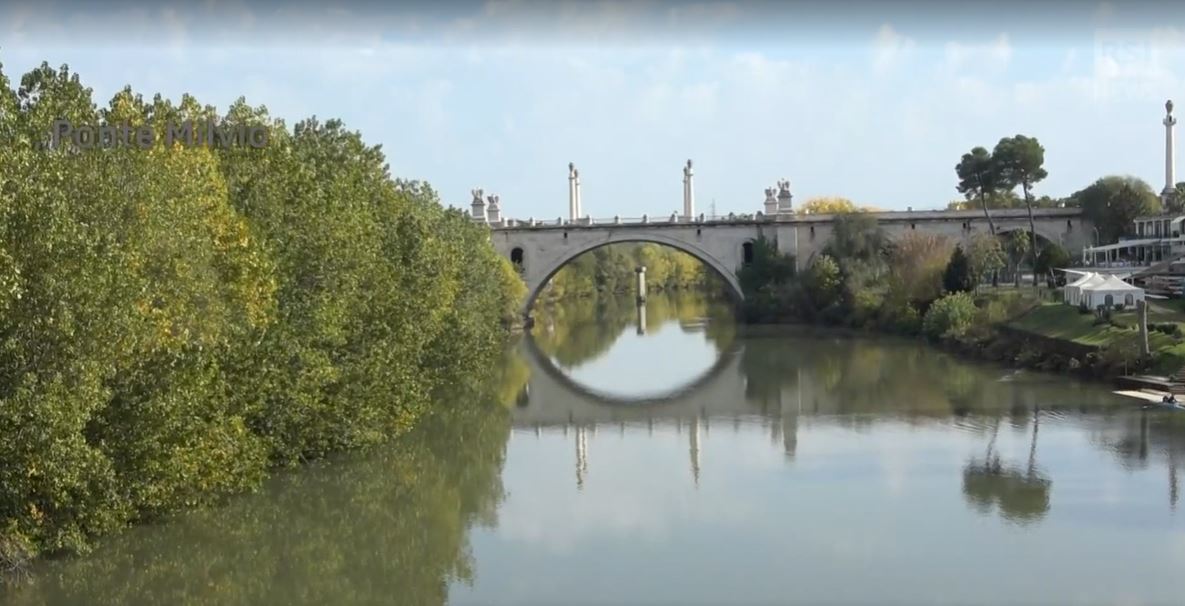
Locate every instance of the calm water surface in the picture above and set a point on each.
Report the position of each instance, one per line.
(665, 456)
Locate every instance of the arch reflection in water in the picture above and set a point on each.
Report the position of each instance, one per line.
(683, 340)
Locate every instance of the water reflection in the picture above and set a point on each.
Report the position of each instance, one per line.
(391, 527)
(683, 336)
(1021, 494)
(800, 467)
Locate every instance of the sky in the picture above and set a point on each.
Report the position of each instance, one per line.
(875, 102)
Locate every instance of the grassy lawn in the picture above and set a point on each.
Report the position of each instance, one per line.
(1064, 322)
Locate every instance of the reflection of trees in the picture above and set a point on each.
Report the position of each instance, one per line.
(578, 330)
(387, 529)
(1138, 439)
(864, 379)
(1022, 495)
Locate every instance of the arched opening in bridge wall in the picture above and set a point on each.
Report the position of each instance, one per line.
(516, 257)
(1024, 263)
(727, 275)
(747, 253)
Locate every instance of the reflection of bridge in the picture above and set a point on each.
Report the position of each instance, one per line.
(554, 402)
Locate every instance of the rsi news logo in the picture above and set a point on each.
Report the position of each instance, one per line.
(1134, 63)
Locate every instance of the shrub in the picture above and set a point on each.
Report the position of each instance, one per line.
(949, 316)
(957, 276)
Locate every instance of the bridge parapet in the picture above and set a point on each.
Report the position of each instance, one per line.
(891, 216)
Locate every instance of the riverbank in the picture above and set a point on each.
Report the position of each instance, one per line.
(1026, 328)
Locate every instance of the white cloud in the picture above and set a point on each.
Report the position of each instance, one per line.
(992, 56)
(889, 48)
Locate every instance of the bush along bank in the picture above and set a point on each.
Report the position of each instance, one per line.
(175, 320)
(924, 286)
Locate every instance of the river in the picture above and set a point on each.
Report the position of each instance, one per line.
(665, 455)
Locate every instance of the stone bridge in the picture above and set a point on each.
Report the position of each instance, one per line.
(724, 243)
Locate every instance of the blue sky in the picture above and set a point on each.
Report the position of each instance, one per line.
(875, 102)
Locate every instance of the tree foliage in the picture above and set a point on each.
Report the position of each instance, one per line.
(916, 267)
(957, 276)
(1113, 202)
(831, 205)
(949, 316)
(1053, 256)
(978, 179)
(1020, 161)
(985, 255)
(174, 320)
(610, 269)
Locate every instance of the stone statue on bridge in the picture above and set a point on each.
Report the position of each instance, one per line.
(479, 206)
(494, 211)
(771, 201)
(785, 199)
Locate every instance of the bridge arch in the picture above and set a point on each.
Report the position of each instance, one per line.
(534, 287)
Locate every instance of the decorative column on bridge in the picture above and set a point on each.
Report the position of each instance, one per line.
(688, 192)
(785, 200)
(1170, 181)
(771, 201)
(479, 206)
(579, 202)
(572, 212)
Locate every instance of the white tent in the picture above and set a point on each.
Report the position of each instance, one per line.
(1111, 291)
(1072, 293)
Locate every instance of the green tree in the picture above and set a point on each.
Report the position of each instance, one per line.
(1177, 200)
(823, 282)
(957, 276)
(1052, 256)
(1017, 247)
(1020, 161)
(978, 178)
(985, 255)
(1113, 202)
(856, 237)
(173, 320)
(768, 267)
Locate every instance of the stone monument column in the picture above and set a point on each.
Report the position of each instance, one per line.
(1170, 181)
(580, 204)
(688, 192)
(571, 192)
